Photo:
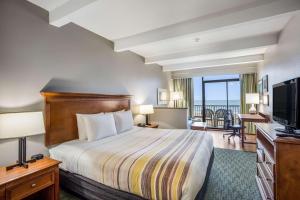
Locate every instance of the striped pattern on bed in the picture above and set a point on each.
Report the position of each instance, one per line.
(154, 168)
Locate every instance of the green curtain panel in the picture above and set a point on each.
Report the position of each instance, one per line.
(184, 85)
(248, 85)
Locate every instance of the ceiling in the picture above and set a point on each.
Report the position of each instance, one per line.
(181, 35)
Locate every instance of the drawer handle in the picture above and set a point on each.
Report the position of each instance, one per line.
(268, 163)
(268, 179)
(33, 185)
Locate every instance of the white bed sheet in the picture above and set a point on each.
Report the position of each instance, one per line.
(80, 157)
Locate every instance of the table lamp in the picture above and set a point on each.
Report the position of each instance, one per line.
(146, 110)
(252, 98)
(21, 125)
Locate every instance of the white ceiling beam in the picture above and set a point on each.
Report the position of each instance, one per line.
(217, 48)
(259, 10)
(61, 15)
(220, 70)
(215, 63)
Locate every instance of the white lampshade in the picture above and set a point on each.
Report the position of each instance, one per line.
(146, 109)
(15, 125)
(176, 96)
(252, 98)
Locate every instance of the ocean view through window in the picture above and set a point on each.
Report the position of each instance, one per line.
(214, 96)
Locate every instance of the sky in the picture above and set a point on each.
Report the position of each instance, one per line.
(217, 91)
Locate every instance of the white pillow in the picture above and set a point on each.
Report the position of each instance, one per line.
(99, 126)
(123, 120)
(81, 127)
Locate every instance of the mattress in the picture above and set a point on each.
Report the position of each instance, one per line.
(152, 163)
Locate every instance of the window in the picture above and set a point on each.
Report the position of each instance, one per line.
(214, 95)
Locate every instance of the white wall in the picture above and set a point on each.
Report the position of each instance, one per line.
(170, 118)
(34, 55)
(283, 61)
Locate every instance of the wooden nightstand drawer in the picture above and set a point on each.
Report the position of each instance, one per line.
(30, 186)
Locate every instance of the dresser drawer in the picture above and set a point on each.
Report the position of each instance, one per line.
(30, 186)
(262, 188)
(269, 163)
(267, 182)
(260, 155)
(2, 192)
(268, 177)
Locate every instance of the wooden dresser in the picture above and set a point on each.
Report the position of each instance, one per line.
(39, 181)
(278, 164)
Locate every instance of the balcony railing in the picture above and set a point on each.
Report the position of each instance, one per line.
(214, 116)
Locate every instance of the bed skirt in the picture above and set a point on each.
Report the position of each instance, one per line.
(92, 190)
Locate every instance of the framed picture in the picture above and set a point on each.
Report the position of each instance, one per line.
(265, 84)
(162, 96)
(266, 99)
(260, 90)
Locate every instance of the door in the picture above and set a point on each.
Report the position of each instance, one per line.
(219, 95)
(215, 104)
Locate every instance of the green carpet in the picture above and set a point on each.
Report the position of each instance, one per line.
(232, 177)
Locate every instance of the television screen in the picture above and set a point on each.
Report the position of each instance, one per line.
(284, 103)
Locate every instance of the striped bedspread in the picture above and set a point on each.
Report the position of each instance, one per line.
(151, 163)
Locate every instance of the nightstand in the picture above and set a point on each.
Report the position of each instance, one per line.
(39, 181)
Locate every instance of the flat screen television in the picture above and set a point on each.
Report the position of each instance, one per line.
(286, 104)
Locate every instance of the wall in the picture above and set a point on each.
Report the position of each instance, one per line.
(283, 61)
(35, 55)
(170, 118)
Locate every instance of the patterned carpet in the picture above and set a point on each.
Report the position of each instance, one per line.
(232, 177)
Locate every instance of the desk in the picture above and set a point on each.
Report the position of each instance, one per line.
(250, 118)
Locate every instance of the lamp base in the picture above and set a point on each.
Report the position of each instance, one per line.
(147, 119)
(23, 164)
(252, 110)
(22, 156)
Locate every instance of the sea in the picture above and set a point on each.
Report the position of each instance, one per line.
(218, 102)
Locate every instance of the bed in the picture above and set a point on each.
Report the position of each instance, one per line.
(141, 163)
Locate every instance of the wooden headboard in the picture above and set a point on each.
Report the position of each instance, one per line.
(61, 108)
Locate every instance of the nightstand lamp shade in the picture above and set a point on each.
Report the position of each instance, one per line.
(21, 125)
(252, 98)
(146, 110)
(16, 125)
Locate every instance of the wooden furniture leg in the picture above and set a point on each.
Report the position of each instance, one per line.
(243, 132)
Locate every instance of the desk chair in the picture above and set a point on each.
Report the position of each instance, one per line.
(229, 125)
